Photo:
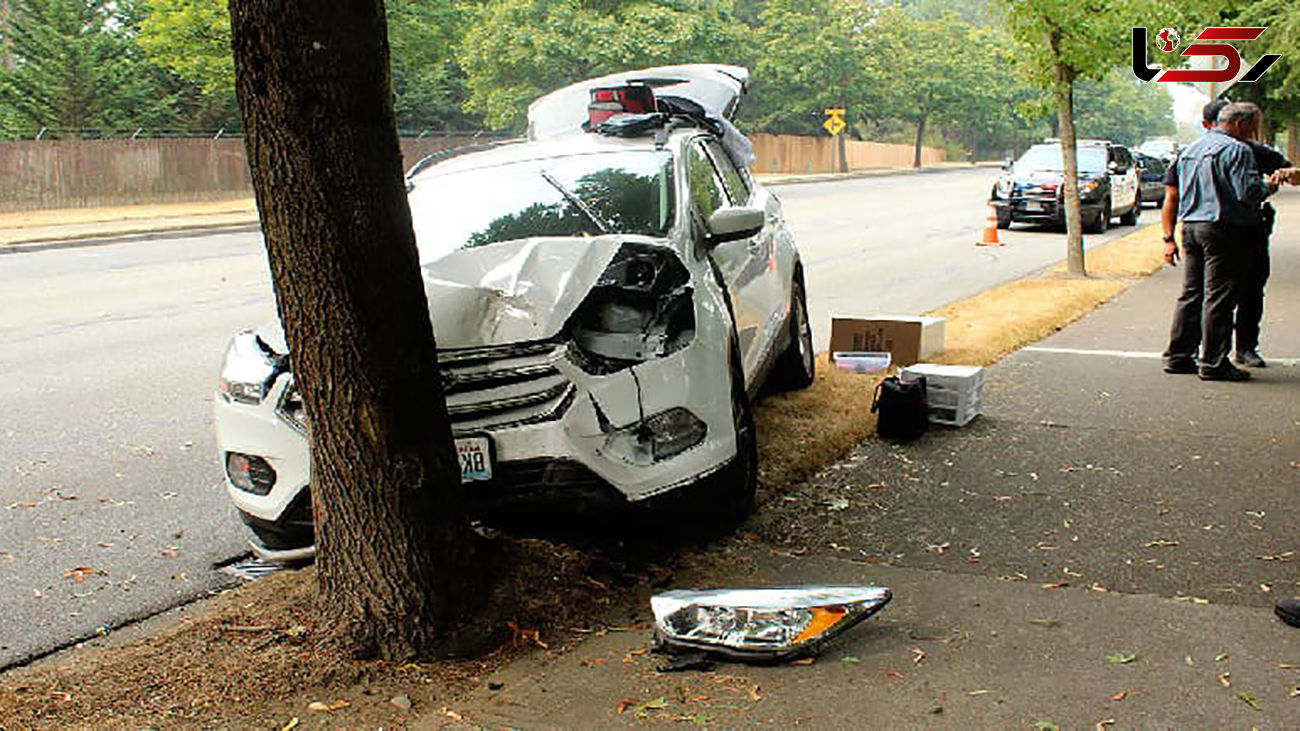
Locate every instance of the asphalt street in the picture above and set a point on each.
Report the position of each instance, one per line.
(110, 503)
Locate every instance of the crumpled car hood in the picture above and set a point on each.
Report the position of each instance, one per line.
(511, 292)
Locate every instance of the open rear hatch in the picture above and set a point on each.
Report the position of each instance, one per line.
(715, 87)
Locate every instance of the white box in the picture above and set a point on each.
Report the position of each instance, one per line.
(954, 392)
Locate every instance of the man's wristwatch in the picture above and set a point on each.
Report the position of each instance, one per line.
(1169, 238)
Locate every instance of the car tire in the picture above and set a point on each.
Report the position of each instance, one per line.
(797, 366)
(1130, 218)
(1099, 224)
(728, 496)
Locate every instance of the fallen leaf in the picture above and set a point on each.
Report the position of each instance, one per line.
(1045, 622)
(1287, 666)
(1190, 662)
(1046, 726)
(850, 660)
(1249, 700)
(623, 705)
(292, 724)
(1221, 657)
(754, 695)
(1225, 679)
(802, 661)
(525, 634)
(1055, 585)
(1121, 658)
(894, 674)
(451, 714)
(80, 573)
(1160, 543)
(104, 544)
(15, 506)
(595, 663)
(1120, 695)
(630, 657)
(1287, 556)
(59, 695)
(642, 710)
(917, 655)
(1098, 589)
(327, 707)
(978, 692)
(1102, 724)
(1295, 692)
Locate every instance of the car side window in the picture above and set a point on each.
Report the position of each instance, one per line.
(707, 194)
(737, 186)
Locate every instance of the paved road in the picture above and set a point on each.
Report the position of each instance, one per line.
(110, 355)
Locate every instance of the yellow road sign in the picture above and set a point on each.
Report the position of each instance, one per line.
(834, 120)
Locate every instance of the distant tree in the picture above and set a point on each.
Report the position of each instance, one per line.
(1122, 108)
(517, 50)
(76, 67)
(395, 561)
(807, 56)
(1062, 42)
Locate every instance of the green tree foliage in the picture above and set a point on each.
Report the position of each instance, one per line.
(1120, 107)
(191, 38)
(810, 55)
(78, 70)
(520, 49)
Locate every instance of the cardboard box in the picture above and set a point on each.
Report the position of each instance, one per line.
(909, 339)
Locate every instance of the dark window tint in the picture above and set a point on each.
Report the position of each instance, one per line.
(707, 194)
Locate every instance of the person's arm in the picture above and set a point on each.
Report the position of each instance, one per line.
(1168, 218)
(1244, 178)
(1286, 175)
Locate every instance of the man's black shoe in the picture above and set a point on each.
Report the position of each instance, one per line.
(1288, 610)
(1180, 367)
(1251, 359)
(1227, 374)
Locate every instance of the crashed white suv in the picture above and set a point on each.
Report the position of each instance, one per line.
(606, 304)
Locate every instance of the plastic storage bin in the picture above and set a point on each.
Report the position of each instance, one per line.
(953, 391)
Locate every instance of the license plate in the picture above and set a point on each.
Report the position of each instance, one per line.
(475, 459)
(1031, 206)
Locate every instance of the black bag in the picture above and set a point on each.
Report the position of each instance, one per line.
(901, 408)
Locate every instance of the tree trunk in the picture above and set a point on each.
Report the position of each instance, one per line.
(1063, 90)
(6, 44)
(920, 138)
(395, 556)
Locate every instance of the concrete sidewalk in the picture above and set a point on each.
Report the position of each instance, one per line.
(1102, 547)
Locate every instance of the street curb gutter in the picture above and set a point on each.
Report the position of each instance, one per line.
(798, 178)
(140, 234)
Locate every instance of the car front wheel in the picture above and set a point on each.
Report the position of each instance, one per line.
(1131, 217)
(796, 367)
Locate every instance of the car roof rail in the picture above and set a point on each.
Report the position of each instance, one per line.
(444, 155)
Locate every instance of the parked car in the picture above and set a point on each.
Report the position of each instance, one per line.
(1152, 175)
(1161, 147)
(1031, 189)
(606, 305)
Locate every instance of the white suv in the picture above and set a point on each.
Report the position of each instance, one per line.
(606, 305)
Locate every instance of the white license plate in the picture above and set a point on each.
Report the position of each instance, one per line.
(1033, 206)
(475, 459)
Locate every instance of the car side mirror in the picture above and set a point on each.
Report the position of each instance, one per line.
(730, 223)
(1114, 166)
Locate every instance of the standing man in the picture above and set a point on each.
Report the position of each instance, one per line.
(1219, 193)
(1250, 308)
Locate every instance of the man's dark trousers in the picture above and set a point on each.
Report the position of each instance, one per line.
(1214, 259)
(1250, 301)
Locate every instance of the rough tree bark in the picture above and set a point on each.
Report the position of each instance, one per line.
(920, 141)
(1063, 91)
(395, 556)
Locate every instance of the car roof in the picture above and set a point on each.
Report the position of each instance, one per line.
(513, 151)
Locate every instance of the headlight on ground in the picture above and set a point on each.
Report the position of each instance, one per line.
(761, 624)
(248, 371)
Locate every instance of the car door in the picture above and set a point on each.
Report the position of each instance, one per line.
(764, 288)
(1123, 179)
(736, 261)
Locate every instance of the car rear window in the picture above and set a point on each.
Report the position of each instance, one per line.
(630, 192)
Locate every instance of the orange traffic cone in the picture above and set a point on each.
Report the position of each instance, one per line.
(991, 230)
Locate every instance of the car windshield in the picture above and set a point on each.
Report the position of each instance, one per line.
(629, 192)
(1047, 158)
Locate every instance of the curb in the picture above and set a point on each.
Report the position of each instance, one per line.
(137, 234)
(797, 179)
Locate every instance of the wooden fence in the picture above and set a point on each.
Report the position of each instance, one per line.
(36, 175)
(797, 154)
(44, 174)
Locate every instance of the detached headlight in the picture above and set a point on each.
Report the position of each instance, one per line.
(761, 624)
(640, 308)
(248, 371)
